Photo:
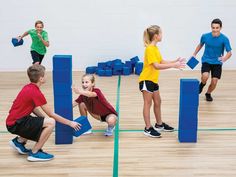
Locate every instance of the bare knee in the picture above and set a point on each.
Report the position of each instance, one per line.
(49, 123)
(111, 119)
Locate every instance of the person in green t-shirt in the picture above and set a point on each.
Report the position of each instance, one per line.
(39, 42)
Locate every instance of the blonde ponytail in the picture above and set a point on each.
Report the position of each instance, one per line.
(149, 33)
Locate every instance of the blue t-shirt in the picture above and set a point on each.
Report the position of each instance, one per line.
(214, 47)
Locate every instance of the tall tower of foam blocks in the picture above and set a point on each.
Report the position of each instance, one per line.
(62, 81)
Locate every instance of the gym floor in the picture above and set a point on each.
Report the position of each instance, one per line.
(95, 155)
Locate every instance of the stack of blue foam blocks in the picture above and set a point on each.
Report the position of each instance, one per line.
(116, 67)
(62, 81)
(188, 110)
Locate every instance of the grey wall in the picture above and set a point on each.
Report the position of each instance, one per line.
(99, 30)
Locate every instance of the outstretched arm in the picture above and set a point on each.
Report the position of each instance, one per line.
(23, 35)
(179, 63)
(60, 119)
(84, 92)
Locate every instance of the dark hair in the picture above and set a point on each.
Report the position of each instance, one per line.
(35, 72)
(217, 21)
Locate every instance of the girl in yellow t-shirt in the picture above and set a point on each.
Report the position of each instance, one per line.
(148, 80)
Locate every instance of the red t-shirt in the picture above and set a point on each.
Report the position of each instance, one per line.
(29, 97)
(97, 105)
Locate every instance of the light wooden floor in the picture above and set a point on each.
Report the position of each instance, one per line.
(139, 156)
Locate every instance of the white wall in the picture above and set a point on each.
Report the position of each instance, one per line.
(99, 30)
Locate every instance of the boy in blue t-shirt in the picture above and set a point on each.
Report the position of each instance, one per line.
(213, 56)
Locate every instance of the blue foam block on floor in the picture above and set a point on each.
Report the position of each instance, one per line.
(16, 43)
(91, 69)
(192, 62)
(108, 72)
(85, 126)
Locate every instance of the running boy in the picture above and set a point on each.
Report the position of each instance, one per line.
(213, 56)
(39, 42)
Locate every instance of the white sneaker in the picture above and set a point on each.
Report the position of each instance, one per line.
(88, 132)
(109, 131)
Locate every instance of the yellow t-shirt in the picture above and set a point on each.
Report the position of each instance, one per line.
(152, 55)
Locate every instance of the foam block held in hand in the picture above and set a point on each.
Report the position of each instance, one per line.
(16, 43)
(85, 126)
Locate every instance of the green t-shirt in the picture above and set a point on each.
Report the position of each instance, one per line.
(37, 45)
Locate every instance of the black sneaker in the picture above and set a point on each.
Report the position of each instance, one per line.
(201, 85)
(163, 127)
(151, 132)
(208, 97)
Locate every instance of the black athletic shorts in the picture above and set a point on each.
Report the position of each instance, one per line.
(148, 86)
(28, 127)
(215, 69)
(36, 57)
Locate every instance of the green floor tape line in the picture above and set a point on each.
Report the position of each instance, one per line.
(116, 138)
(134, 131)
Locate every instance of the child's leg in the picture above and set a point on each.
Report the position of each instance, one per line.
(111, 120)
(83, 109)
(157, 107)
(213, 84)
(147, 99)
(48, 126)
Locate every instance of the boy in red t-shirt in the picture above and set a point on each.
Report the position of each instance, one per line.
(93, 101)
(28, 127)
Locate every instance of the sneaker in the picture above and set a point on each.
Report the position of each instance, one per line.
(109, 131)
(20, 147)
(88, 132)
(151, 132)
(208, 97)
(39, 156)
(201, 85)
(163, 127)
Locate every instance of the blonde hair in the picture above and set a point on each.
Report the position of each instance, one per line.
(38, 22)
(91, 77)
(149, 33)
(35, 72)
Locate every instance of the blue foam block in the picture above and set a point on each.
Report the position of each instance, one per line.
(64, 137)
(85, 126)
(138, 68)
(188, 110)
(62, 62)
(108, 72)
(134, 59)
(61, 88)
(101, 72)
(16, 43)
(187, 136)
(192, 62)
(91, 69)
(62, 76)
(126, 70)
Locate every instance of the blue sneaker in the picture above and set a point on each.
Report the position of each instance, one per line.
(39, 156)
(20, 147)
(109, 131)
